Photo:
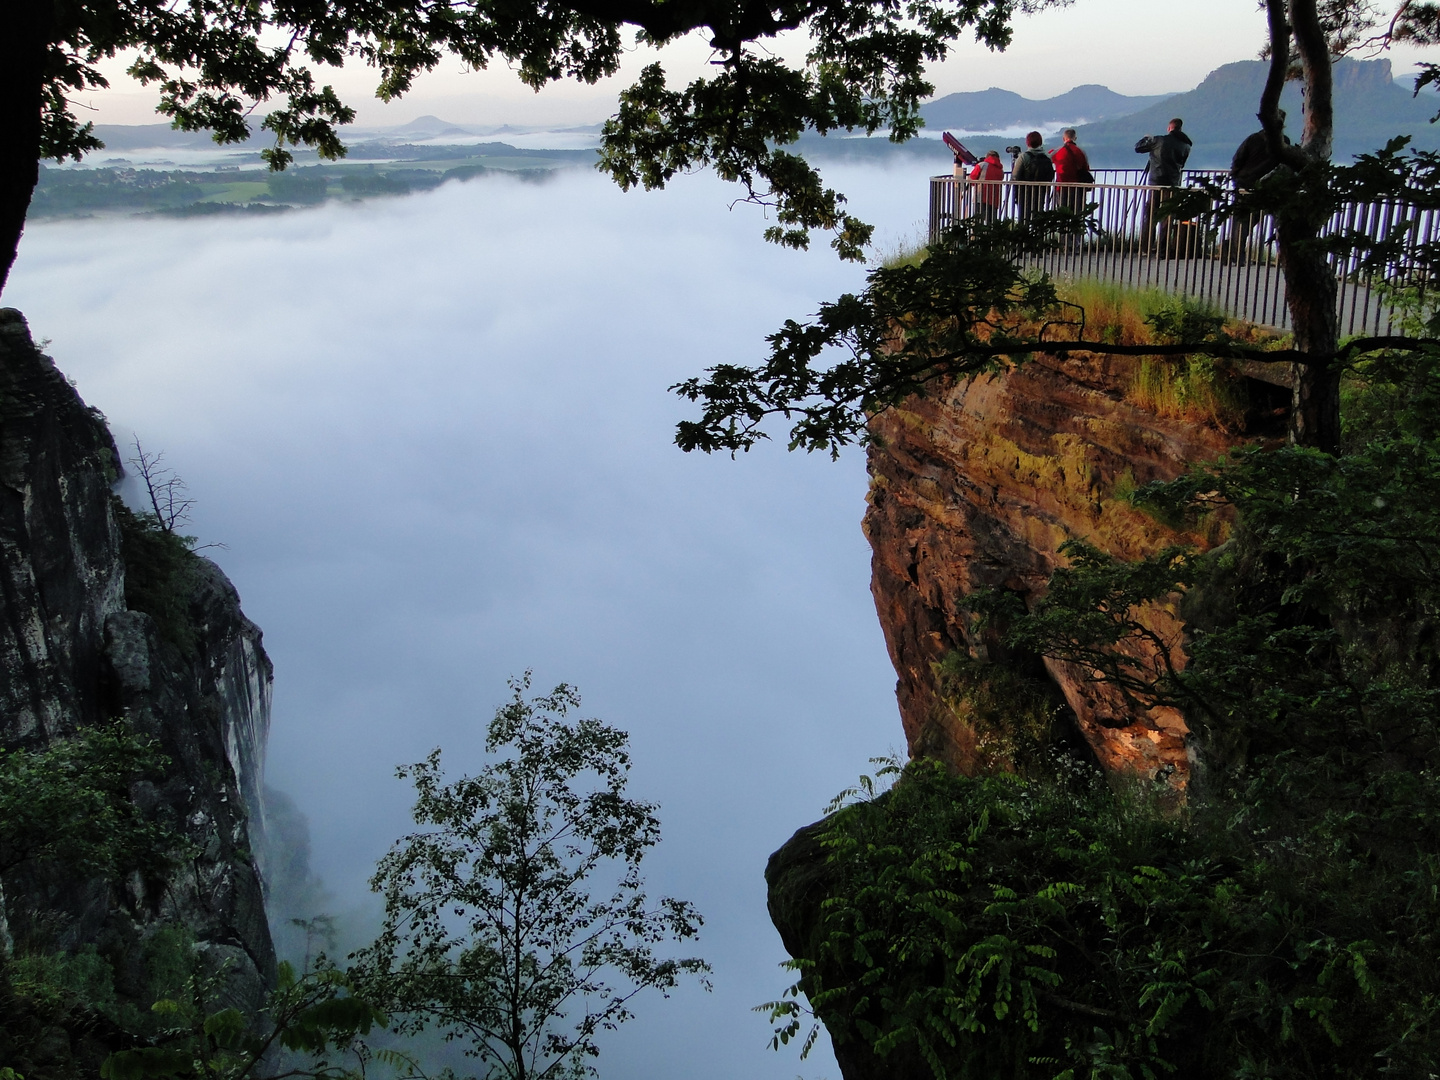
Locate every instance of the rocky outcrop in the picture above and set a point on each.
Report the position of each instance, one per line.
(74, 652)
(977, 486)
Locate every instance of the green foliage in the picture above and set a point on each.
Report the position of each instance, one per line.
(68, 807)
(54, 984)
(213, 66)
(965, 914)
(1016, 717)
(300, 185)
(373, 183)
(317, 1017)
(1196, 386)
(538, 859)
(1093, 614)
(63, 192)
(68, 817)
(516, 919)
(159, 574)
(967, 308)
(1281, 924)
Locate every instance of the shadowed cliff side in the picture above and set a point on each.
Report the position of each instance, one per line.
(976, 487)
(84, 639)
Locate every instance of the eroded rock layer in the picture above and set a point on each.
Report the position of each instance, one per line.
(977, 486)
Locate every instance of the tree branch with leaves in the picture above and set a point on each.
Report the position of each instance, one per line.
(517, 920)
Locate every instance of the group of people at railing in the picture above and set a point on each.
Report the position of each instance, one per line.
(1062, 177)
(1067, 166)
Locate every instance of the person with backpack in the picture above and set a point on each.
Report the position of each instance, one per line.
(1252, 162)
(1072, 173)
(1032, 169)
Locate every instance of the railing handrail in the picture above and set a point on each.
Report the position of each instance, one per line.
(1188, 175)
(1007, 182)
(1234, 264)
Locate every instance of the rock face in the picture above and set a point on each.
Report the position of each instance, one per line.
(74, 653)
(977, 486)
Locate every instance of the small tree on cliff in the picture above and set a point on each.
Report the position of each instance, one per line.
(494, 932)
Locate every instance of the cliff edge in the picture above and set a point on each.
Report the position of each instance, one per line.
(92, 628)
(977, 486)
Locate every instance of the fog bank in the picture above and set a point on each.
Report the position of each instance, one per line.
(435, 437)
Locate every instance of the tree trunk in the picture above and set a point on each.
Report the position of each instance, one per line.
(1310, 288)
(24, 41)
(1309, 279)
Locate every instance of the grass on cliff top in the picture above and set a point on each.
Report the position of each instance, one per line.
(1200, 389)
(1197, 388)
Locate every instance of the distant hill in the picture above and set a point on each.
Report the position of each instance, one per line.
(429, 127)
(1369, 109)
(996, 109)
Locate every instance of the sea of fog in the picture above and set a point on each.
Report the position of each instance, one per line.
(434, 437)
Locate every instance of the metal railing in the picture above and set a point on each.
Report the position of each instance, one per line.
(1235, 267)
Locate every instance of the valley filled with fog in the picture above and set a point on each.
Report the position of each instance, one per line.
(434, 436)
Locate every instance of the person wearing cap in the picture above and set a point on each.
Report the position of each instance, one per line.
(988, 175)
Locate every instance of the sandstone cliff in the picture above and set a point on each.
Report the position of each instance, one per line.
(77, 648)
(977, 486)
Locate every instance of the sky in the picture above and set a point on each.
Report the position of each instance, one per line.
(1131, 46)
(434, 435)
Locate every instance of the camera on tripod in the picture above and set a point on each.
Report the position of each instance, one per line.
(1014, 151)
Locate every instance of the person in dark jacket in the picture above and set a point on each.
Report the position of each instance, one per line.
(1168, 154)
(1252, 162)
(1033, 165)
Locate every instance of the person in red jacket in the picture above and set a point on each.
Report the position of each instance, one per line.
(987, 176)
(1072, 167)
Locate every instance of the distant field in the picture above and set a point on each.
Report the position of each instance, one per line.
(370, 172)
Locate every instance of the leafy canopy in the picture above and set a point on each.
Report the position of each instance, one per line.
(312, 1025)
(68, 805)
(216, 61)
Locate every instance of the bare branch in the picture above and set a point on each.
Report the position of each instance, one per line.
(169, 504)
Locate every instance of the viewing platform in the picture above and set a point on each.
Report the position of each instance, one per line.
(1234, 266)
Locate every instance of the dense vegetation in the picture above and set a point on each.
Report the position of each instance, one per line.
(537, 857)
(1281, 923)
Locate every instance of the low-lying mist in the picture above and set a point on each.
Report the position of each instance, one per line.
(434, 435)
